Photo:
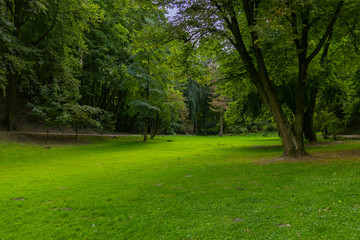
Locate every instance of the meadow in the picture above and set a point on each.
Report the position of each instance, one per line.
(181, 187)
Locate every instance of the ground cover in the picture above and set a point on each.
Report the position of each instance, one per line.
(235, 187)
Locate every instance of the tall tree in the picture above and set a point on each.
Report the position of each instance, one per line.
(252, 27)
(28, 24)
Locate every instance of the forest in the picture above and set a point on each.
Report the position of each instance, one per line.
(202, 67)
(179, 119)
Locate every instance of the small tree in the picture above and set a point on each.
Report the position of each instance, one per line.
(328, 124)
(218, 104)
(334, 124)
(145, 110)
(48, 107)
(51, 115)
(80, 116)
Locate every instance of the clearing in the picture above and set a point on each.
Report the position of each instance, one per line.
(233, 187)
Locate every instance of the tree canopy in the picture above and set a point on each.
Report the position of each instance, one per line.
(129, 66)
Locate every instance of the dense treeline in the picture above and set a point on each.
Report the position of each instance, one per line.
(239, 65)
(104, 64)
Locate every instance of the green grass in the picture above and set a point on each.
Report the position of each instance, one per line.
(191, 188)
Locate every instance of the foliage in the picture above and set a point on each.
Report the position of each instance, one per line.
(143, 70)
(80, 116)
(48, 107)
(328, 123)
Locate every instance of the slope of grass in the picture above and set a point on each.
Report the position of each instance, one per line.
(179, 188)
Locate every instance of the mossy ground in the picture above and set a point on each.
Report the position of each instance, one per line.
(233, 187)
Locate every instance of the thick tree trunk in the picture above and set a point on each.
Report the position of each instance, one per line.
(309, 133)
(11, 96)
(293, 146)
(300, 105)
(13, 75)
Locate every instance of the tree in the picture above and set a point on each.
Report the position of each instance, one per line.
(219, 105)
(48, 107)
(80, 116)
(296, 23)
(27, 25)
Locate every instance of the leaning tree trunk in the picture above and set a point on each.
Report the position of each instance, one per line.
(293, 147)
(293, 140)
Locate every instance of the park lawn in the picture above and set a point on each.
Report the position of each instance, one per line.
(233, 187)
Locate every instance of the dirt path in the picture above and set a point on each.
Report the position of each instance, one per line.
(124, 134)
(73, 134)
(349, 136)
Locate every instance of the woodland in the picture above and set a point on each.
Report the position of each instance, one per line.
(179, 119)
(202, 67)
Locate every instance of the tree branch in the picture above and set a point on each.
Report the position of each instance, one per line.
(50, 28)
(295, 30)
(9, 7)
(326, 49)
(326, 34)
(353, 35)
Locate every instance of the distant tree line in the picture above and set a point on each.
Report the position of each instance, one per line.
(103, 64)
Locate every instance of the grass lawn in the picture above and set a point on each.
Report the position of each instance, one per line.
(185, 188)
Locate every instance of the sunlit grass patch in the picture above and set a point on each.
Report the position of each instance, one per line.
(187, 188)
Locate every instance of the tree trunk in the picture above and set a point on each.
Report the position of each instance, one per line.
(309, 133)
(292, 139)
(300, 105)
(11, 96)
(13, 75)
(146, 129)
(205, 130)
(155, 128)
(260, 78)
(103, 95)
(107, 104)
(221, 124)
(119, 106)
(195, 125)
